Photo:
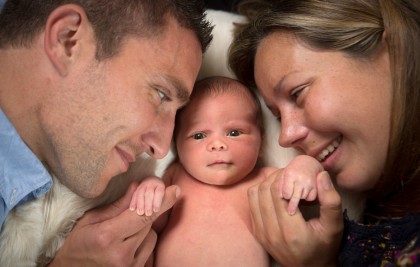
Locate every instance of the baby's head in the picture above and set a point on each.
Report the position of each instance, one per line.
(217, 85)
(218, 135)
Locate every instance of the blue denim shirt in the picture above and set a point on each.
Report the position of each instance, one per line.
(22, 175)
(2, 4)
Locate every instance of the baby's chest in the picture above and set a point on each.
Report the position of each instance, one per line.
(202, 200)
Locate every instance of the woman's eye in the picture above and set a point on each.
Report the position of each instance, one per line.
(295, 94)
(198, 136)
(234, 133)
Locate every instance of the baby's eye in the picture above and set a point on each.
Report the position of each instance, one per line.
(198, 136)
(234, 133)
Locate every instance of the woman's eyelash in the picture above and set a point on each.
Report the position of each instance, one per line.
(295, 93)
(298, 91)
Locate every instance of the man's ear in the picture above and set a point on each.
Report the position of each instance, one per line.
(64, 31)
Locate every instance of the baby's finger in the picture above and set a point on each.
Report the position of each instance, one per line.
(312, 195)
(133, 201)
(305, 193)
(148, 200)
(293, 204)
(287, 190)
(158, 198)
(140, 201)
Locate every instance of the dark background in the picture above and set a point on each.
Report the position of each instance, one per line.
(226, 5)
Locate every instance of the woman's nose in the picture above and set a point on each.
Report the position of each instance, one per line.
(292, 131)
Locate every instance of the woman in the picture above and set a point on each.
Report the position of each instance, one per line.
(344, 79)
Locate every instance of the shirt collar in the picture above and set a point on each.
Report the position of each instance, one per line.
(21, 172)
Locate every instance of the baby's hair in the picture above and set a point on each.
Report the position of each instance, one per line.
(216, 85)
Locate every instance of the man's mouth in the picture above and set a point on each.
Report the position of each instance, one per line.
(329, 150)
(126, 157)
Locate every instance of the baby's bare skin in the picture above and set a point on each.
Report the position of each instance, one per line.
(298, 181)
(211, 225)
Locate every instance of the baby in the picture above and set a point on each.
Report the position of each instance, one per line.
(218, 139)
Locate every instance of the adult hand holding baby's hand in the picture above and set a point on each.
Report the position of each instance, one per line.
(113, 235)
(290, 239)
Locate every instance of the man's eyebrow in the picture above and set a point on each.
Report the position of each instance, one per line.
(182, 92)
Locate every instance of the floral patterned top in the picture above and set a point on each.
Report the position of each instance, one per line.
(390, 242)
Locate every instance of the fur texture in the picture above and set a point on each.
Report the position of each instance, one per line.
(32, 233)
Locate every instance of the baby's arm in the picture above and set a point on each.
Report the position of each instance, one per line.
(298, 181)
(148, 196)
(160, 223)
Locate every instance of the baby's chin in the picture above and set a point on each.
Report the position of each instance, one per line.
(226, 181)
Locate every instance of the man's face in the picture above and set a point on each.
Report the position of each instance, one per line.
(112, 111)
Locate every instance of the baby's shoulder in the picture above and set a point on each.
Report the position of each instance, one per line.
(268, 170)
(263, 172)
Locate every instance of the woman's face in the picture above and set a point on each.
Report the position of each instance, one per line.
(332, 107)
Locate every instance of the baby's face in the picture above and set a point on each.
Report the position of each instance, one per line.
(219, 140)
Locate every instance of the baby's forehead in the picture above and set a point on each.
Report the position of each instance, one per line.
(221, 100)
(212, 89)
(232, 88)
(224, 110)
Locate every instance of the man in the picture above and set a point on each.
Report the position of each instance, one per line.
(87, 87)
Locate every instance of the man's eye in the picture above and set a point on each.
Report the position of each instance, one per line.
(198, 136)
(163, 97)
(234, 133)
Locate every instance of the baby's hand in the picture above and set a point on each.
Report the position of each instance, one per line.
(298, 181)
(148, 196)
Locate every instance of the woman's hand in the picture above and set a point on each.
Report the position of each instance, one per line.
(290, 239)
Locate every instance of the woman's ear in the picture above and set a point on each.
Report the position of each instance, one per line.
(66, 29)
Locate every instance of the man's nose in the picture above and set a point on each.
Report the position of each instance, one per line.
(158, 139)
